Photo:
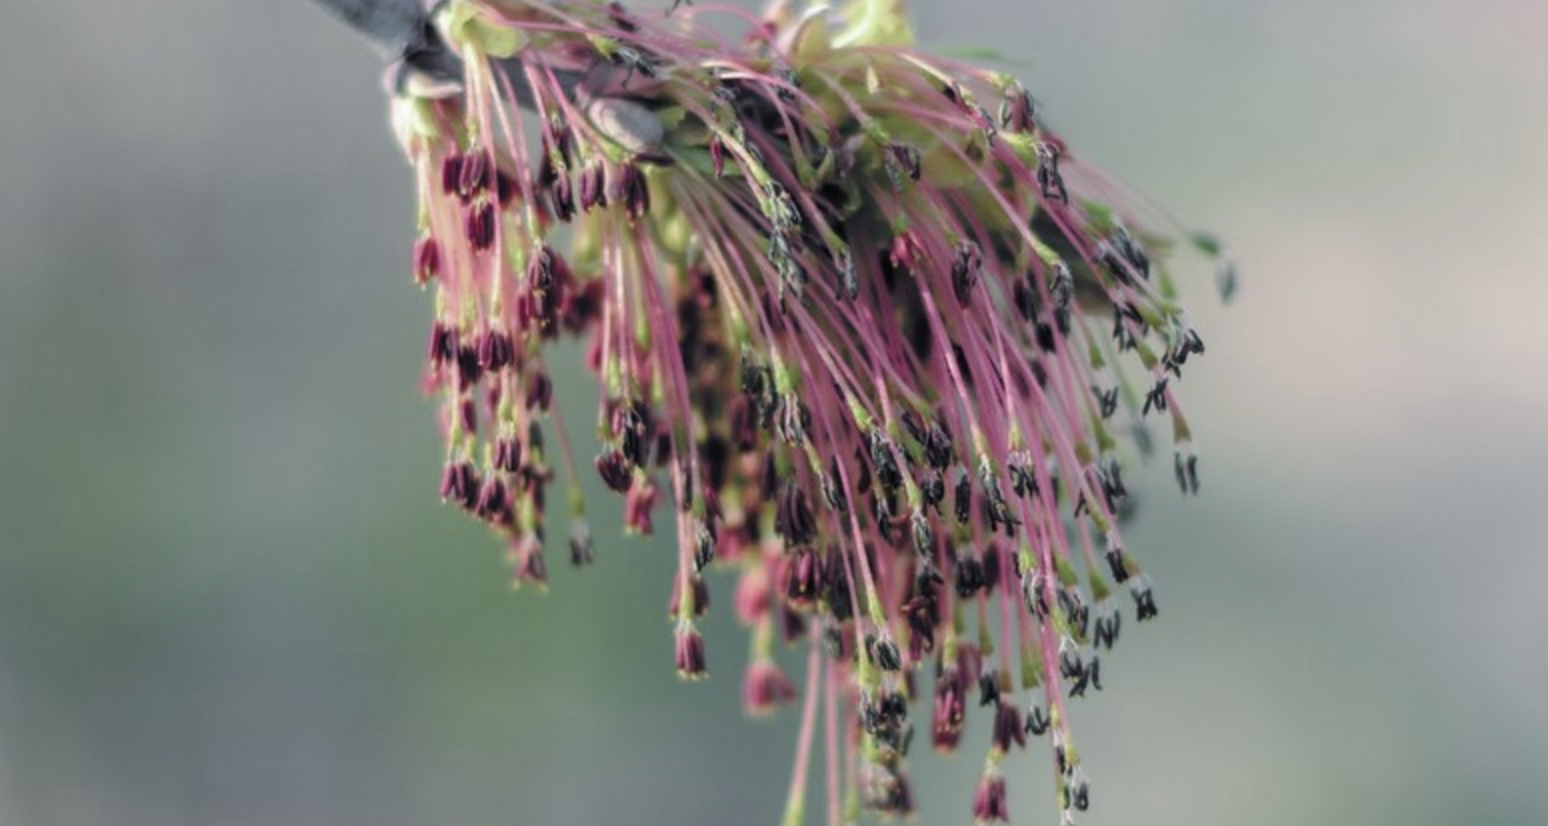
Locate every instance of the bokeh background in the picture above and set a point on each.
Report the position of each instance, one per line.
(228, 594)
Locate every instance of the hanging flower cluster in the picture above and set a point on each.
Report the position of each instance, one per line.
(868, 330)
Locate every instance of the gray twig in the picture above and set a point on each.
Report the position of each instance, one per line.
(419, 58)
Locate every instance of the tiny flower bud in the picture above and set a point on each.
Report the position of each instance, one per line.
(688, 654)
(633, 192)
(639, 502)
(949, 711)
(794, 519)
(443, 344)
(614, 470)
(765, 688)
(989, 801)
(507, 455)
(1007, 728)
(451, 174)
(540, 391)
(803, 574)
(751, 599)
(493, 499)
(593, 187)
(427, 260)
(476, 174)
(480, 226)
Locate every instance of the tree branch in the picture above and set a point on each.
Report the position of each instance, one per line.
(419, 58)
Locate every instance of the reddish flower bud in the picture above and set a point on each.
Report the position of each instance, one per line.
(634, 192)
(615, 472)
(989, 801)
(751, 599)
(593, 187)
(507, 455)
(638, 504)
(477, 174)
(460, 484)
(527, 564)
(451, 174)
(794, 520)
(561, 199)
(803, 578)
(480, 226)
(949, 710)
(540, 391)
(427, 260)
(765, 688)
(792, 624)
(688, 654)
(1007, 728)
(443, 344)
(493, 500)
(495, 350)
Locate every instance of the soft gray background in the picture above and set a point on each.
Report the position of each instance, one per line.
(228, 595)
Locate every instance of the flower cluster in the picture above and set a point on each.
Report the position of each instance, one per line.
(874, 332)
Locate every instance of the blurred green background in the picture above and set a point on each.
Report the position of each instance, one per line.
(228, 594)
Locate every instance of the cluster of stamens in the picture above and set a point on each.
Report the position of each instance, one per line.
(881, 347)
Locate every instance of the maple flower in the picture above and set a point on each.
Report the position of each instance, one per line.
(877, 338)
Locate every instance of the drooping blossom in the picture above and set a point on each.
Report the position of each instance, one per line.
(867, 336)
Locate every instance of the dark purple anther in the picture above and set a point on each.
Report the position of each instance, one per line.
(507, 455)
(803, 577)
(634, 192)
(1007, 728)
(427, 260)
(688, 654)
(593, 187)
(443, 344)
(540, 391)
(451, 174)
(989, 801)
(615, 472)
(481, 225)
(477, 173)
